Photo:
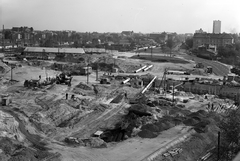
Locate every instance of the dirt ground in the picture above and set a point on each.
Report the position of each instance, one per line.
(132, 149)
(47, 113)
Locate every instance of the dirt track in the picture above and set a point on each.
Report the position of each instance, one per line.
(133, 149)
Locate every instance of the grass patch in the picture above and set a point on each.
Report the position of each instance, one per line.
(162, 59)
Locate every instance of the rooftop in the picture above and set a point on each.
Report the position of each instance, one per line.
(54, 50)
(210, 35)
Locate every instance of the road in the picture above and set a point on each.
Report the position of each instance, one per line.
(218, 68)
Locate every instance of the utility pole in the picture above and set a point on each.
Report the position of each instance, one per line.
(97, 73)
(151, 52)
(11, 73)
(88, 71)
(3, 37)
(218, 157)
(173, 93)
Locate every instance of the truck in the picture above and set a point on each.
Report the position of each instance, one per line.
(209, 69)
(63, 79)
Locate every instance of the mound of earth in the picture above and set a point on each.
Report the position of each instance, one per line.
(202, 112)
(147, 134)
(151, 127)
(118, 98)
(94, 142)
(84, 86)
(165, 124)
(140, 110)
(177, 120)
(190, 122)
(196, 114)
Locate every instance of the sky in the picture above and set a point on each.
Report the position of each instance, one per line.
(146, 16)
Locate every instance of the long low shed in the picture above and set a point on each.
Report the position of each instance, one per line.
(54, 50)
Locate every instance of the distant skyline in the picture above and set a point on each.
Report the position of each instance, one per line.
(146, 16)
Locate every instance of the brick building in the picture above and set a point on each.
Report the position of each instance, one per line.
(206, 39)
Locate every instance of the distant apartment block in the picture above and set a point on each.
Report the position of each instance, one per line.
(206, 39)
(216, 27)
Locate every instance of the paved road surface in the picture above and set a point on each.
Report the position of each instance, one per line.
(218, 68)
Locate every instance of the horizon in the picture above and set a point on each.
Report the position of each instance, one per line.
(115, 16)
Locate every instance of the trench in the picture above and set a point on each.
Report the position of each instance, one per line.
(114, 135)
(124, 128)
(34, 139)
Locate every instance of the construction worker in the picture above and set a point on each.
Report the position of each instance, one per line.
(66, 96)
(72, 97)
(125, 94)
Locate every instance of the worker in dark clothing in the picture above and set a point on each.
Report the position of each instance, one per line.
(72, 97)
(40, 77)
(66, 96)
(125, 94)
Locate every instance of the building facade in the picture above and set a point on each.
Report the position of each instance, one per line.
(199, 31)
(208, 39)
(216, 27)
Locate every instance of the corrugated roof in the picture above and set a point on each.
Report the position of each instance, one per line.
(94, 50)
(54, 50)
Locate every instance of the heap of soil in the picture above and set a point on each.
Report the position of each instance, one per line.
(165, 124)
(151, 127)
(118, 98)
(202, 112)
(190, 122)
(186, 112)
(177, 120)
(140, 110)
(147, 134)
(94, 142)
(196, 114)
(84, 86)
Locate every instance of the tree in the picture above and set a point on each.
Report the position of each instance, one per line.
(7, 34)
(237, 46)
(227, 51)
(230, 138)
(189, 42)
(49, 43)
(170, 45)
(76, 44)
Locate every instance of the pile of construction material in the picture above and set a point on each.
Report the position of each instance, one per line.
(143, 68)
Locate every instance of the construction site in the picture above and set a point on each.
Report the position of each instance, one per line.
(116, 106)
